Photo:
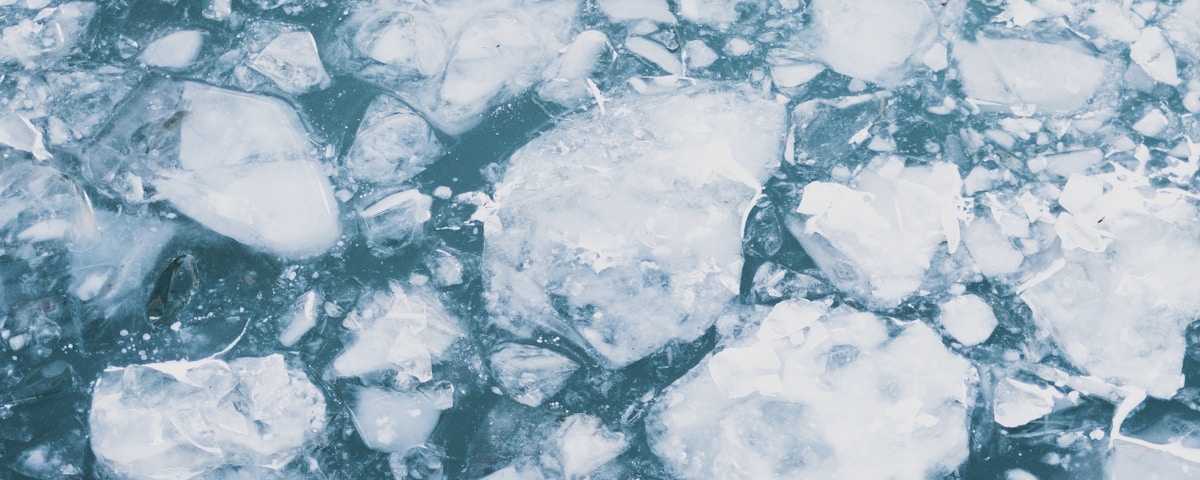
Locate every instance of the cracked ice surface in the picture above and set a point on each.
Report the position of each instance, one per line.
(592, 226)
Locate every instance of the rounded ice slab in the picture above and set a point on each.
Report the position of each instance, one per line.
(622, 229)
(179, 419)
(818, 393)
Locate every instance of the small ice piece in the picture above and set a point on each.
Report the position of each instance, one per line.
(292, 62)
(46, 37)
(118, 262)
(395, 221)
(698, 55)
(393, 144)
(992, 251)
(584, 445)
(393, 421)
(645, 249)
(860, 225)
(968, 319)
(17, 132)
(286, 208)
(1152, 124)
(1075, 162)
(1020, 474)
(631, 10)
(719, 14)
(850, 402)
(566, 81)
(530, 374)
(871, 39)
(180, 419)
(301, 318)
(655, 53)
(446, 269)
(795, 74)
(937, 58)
(513, 473)
(1152, 52)
(1017, 403)
(405, 331)
(1051, 77)
(176, 50)
(1132, 458)
(737, 47)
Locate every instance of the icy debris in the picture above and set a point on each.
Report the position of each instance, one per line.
(119, 260)
(404, 331)
(566, 82)
(176, 50)
(237, 163)
(794, 74)
(393, 144)
(1016, 403)
(854, 235)
(870, 39)
(1120, 302)
(1155, 56)
(604, 235)
(395, 221)
(180, 419)
(698, 55)
(46, 37)
(452, 62)
(843, 401)
(991, 249)
(291, 61)
(1054, 78)
(445, 269)
(393, 421)
(530, 374)
(1152, 124)
(41, 204)
(632, 10)
(1065, 164)
(584, 444)
(968, 319)
(17, 132)
(301, 318)
(719, 14)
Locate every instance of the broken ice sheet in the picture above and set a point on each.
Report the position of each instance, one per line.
(623, 230)
(837, 398)
(180, 419)
(1053, 78)
(869, 39)
(393, 421)
(393, 144)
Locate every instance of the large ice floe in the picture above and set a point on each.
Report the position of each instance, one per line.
(638, 205)
(599, 239)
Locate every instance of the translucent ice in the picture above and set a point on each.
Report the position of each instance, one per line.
(403, 330)
(968, 319)
(853, 233)
(394, 222)
(1053, 78)
(584, 444)
(624, 228)
(393, 421)
(530, 374)
(291, 61)
(176, 50)
(627, 10)
(47, 36)
(566, 81)
(393, 144)
(180, 419)
(836, 398)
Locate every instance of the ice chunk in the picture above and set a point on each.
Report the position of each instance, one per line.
(406, 331)
(393, 144)
(176, 50)
(1053, 78)
(698, 55)
(566, 81)
(1155, 56)
(393, 421)
(47, 36)
(713, 13)
(848, 402)
(871, 39)
(17, 132)
(631, 10)
(795, 74)
(530, 374)
(992, 251)
(599, 219)
(1017, 403)
(655, 53)
(180, 419)
(286, 208)
(238, 163)
(861, 225)
(1152, 124)
(452, 62)
(1133, 459)
(40, 203)
(394, 222)
(1118, 310)
(120, 258)
(584, 444)
(300, 319)
(291, 61)
(968, 319)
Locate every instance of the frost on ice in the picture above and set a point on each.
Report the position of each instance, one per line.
(623, 231)
(181, 419)
(239, 164)
(820, 393)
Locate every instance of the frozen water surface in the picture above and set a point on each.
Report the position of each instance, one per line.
(606, 239)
